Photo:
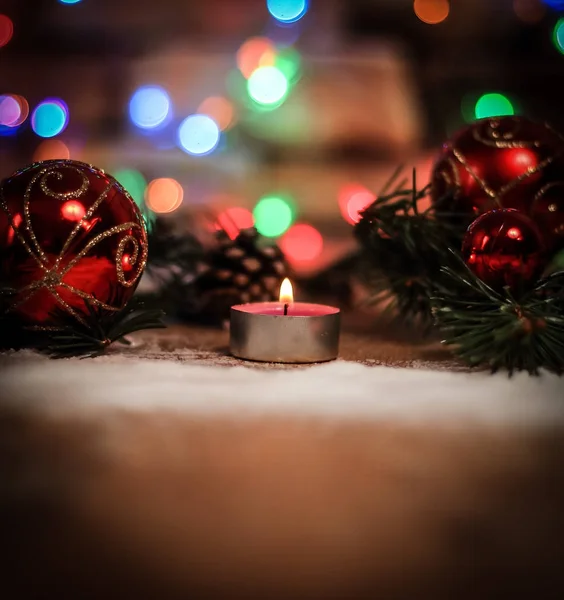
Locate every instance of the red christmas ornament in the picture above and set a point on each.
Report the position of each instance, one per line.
(68, 233)
(504, 162)
(504, 248)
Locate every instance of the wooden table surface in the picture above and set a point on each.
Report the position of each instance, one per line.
(153, 505)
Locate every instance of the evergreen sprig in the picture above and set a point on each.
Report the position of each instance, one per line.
(497, 329)
(66, 337)
(404, 248)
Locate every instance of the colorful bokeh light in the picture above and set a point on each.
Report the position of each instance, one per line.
(493, 105)
(268, 86)
(134, 182)
(14, 110)
(220, 109)
(164, 195)
(558, 35)
(233, 219)
(198, 135)
(6, 30)
(150, 107)
(287, 11)
(50, 118)
(273, 215)
(353, 199)
(431, 12)
(254, 53)
(50, 150)
(70, 1)
(302, 243)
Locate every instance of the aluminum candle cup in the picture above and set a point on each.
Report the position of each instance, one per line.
(308, 333)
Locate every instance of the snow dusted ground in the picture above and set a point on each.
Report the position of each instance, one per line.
(338, 390)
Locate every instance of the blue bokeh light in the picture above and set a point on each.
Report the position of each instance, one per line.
(69, 1)
(287, 11)
(150, 107)
(50, 118)
(555, 4)
(198, 135)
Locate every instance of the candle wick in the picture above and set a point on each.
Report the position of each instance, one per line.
(285, 309)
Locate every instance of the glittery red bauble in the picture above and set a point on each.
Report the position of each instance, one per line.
(68, 232)
(504, 162)
(504, 248)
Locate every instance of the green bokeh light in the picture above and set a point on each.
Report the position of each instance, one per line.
(493, 105)
(289, 62)
(268, 86)
(273, 216)
(558, 35)
(134, 182)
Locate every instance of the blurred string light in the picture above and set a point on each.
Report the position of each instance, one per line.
(493, 105)
(273, 215)
(14, 110)
(254, 53)
(529, 11)
(220, 109)
(431, 12)
(164, 195)
(150, 107)
(233, 219)
(353, 199)
(558, 35)
(73, 210)
(50, 118)
(134, 182)
(287, 11)
(268, 86)
(302, 243)
(198, 135)
(6, 30)
(50, 150)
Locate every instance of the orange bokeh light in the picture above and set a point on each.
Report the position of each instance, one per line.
(353, 199)
(232, 220)
(220, 110)
(164, 195)
(51, 149)
(254, 53)
(6, 30)
(302, 243)
(432, 11)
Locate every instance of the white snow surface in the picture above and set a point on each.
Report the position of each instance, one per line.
(339, 390)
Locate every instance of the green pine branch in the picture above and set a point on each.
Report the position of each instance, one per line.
(497, 329)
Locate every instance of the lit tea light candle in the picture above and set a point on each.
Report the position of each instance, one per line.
(285, 331)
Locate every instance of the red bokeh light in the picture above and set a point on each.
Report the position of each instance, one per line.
(6, 30)
(232, 220)
(73, 210)
(254, 53)
(302, 243)
(353, 199)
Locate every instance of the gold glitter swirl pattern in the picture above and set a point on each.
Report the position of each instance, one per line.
(52, 172)
(129, 239)
(494, 138)
(53, 274)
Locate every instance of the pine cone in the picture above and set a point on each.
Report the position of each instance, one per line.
(246, 269)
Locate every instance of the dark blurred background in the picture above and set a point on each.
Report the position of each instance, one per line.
(285, 112)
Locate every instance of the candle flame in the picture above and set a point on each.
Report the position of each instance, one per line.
(286, 292)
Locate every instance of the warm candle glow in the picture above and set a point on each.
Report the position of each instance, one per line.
(286, 292)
